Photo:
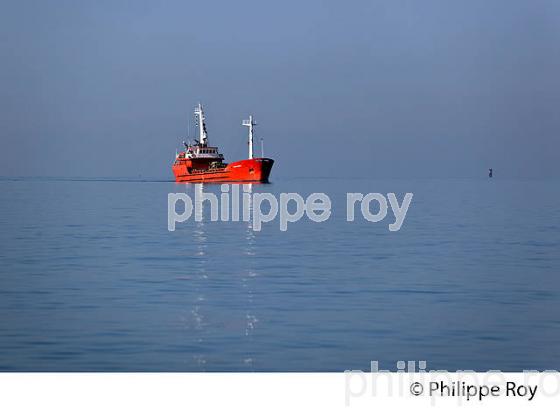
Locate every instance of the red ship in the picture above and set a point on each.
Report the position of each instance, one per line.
(200, 162)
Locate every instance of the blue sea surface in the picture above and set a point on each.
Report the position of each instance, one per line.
(92, 280)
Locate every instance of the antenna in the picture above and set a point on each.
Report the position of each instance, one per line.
(250, 123)
(199, 113)
(188, 129)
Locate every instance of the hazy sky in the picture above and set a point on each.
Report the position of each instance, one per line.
(378, 88)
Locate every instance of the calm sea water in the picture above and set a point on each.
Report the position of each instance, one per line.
(92, 280)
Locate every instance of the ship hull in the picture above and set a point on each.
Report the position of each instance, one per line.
(247, 170)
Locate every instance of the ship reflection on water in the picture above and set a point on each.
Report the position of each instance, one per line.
(247, 278)
(198, 323)
(201, 277)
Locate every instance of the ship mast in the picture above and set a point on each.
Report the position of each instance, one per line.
(203, 135)
(250, 123)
